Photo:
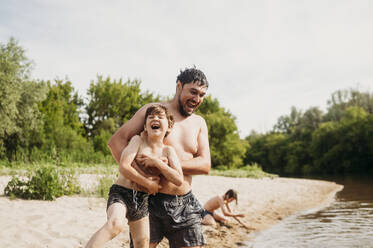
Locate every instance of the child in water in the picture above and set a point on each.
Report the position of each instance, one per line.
(128, 196)
(209, 217)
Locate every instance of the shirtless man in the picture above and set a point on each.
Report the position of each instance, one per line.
(174, 212)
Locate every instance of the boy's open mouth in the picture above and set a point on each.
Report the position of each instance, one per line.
(155, 126)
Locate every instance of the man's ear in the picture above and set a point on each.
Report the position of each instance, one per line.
(179, 86)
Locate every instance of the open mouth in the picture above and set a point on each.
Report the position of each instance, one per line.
(155, 126)
(191, 105)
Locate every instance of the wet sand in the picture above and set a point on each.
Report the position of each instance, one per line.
(70, 221)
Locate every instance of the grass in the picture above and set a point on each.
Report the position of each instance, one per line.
(251, 171)
(108, 173)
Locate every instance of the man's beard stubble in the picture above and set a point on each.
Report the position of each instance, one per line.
(182, 110)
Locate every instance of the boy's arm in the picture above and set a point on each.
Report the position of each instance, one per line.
(122, 136)
(227, 211)
(171, 172)
(201, 163)
(125, 168)
(224, 209)
(227, 206)
(239, 221)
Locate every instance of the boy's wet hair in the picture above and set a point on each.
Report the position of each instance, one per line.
(156, 109)
(231, 193)
(192, 75)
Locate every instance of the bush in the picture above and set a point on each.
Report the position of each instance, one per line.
(45, 183)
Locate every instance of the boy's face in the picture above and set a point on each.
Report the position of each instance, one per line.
(156, 124)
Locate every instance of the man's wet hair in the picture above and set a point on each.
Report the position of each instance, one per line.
(192, 75)
(156, 109)
(231, 193)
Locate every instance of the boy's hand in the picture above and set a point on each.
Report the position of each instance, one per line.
(164, 160)
(240, 215)
(147, 161)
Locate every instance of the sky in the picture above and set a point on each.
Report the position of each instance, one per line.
(260, 57)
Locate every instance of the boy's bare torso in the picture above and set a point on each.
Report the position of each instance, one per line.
(214, 203)
(184, 139)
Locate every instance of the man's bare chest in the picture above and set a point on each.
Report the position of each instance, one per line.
(184, 138)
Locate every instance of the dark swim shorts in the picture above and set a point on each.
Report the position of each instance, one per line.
(206, 212)
(136, 202)
(178, 218)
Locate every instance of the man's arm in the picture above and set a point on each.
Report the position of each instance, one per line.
(121, 137)
(200, 164)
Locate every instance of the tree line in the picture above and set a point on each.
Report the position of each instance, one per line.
(43, 120)
(339, 141)
(49, 121)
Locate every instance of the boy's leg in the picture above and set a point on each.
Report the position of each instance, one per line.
(139, 230)
(219, 217)
(208, 220)
(114, 225)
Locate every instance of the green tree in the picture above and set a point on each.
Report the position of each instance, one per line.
(62, 127)
(19, 114)
(342, 99)
(227, 149)
(112, 103)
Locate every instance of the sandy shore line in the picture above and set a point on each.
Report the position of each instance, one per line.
(70, 221)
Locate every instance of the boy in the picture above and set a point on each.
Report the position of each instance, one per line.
(128, 197)
(209, 216)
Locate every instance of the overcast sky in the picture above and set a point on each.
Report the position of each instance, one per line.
(260, 57)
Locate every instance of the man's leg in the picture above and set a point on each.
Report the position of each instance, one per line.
(114, 225)
(139, 230)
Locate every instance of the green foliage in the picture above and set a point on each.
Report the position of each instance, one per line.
(104, 185)
(62, 127)
(19, 114)
(115, 100)
(338, 142)
(112, 103)
(227, 149)
(44, 183)
(252, 171)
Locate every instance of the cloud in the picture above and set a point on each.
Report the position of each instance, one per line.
(261, 57)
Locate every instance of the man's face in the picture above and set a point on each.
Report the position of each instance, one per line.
(190, 98)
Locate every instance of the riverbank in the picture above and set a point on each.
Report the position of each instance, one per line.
(70, 221)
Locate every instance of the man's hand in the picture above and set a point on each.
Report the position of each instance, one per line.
(153, 186)
(240, 215)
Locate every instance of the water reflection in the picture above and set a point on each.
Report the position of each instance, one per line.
(348, 222)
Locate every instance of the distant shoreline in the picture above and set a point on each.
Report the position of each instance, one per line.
(70, 221)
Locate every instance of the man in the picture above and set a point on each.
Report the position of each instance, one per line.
(175, 213)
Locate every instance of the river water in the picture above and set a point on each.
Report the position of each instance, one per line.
(347, 222)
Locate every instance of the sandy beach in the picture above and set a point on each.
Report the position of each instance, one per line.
(70, 221)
